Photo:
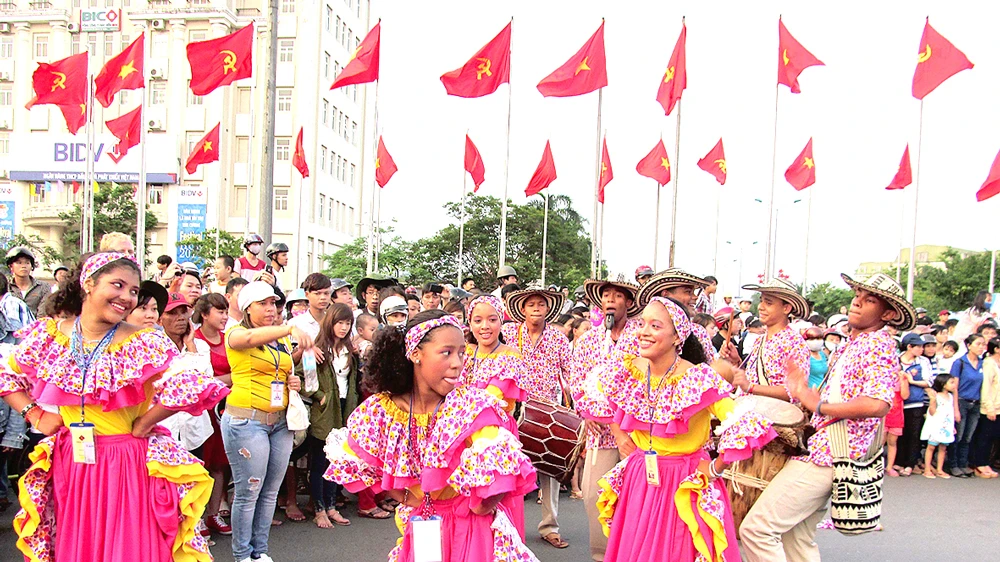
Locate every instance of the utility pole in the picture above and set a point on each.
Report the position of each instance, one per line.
(265, 222)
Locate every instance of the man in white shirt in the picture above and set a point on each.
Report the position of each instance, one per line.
(233, 289)
(223, 273)
(318, 288)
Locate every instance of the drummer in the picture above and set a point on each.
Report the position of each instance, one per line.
(780, 346)
(546, 354)
(681, 286)
(862, 380)
(601, 343)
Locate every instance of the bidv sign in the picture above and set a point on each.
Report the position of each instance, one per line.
(74, 152)
(100, 19)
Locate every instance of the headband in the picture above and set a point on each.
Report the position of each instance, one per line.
(496, 303)
(682, 325)
(416, 334)
(95, 262)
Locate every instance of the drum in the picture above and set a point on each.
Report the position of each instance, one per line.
(746, 480)
(553, 438)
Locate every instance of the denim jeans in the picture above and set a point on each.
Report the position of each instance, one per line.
(323, 491)
(258, 454)
(958, 452)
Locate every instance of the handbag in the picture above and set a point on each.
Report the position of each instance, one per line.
(297, 415)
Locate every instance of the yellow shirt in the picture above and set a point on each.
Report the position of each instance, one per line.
(253, 371)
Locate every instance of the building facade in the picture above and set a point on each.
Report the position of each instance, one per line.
(40, 159)
(925, 255)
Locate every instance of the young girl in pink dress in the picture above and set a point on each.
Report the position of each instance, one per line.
(442, 450)
(108, 484)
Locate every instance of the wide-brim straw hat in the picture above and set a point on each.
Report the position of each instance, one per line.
(516, 299)
(667, 279)
(784, 291)
(888, 290)
(379, 283)
(593, 288)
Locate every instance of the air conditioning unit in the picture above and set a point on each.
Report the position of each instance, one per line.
(155, 125)
(4, 27)
(158, 72)
(158, 24)
(5, 125)
(73, 27)
(4, 76)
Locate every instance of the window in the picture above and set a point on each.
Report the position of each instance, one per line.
(6, 95)
(329, 18)
(197, 35)
(284, 100)
(346, 135)
(337, 175)
(158, 93)
(310, 250)
(286, 50)
(322, 158)
(37, 191)
(342, 219)
(7, 47)
(287, 6)
(336, 68)
(343, 34)
(125, 41)
(242, 149)
(326, 65)
(243, 100)
(41, 46)
(333, 118)
(194, 100)
(350, 219)
(326, 109)
(123, 96)
(192, 141)
(4, 143)
(336, 30)
(280, 199)
(922, 256)
(160, 46)
(76, 3)
(359, 9)
(322, 205)
(354, 133)
(340, 122)
(352, 176)
(74, 45)
(350, 38)
(329, 212)
(154, 194)
(238, 202)
(282, 149)
(333, 155)
(92, 43)
(109, 45)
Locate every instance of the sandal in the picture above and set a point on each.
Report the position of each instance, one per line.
(374, 513)
(942, 474)
(337, 518)
(906, 471)
(555, 540)
(387, 506)
(929, 474)
(577, 495)
(322, 521)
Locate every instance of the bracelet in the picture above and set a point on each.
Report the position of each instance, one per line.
(28, 408)
(819, 407)
(750, 389)
(712, 471)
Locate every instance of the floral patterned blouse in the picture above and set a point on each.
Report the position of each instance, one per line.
(547, 362)
(774, 352)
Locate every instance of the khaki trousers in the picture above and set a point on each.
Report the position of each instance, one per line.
(550, 505)
(781, 525)
(596, 464)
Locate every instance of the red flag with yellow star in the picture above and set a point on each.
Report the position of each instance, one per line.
(127, 129)
(937, 61)
(607, 174)
(63, 82)
(207, 150)
(220, 62)
(992, 184)
(544, 174)
(484, 72)
(299, 158)
(802, 173)
(675, 78)
(903, 176)
(474, 163)
(655, 165)
(384, 166)
(715, 163)
(793, 58)
(122, 72)
(363, 66)
(583, 73)
(75, 116)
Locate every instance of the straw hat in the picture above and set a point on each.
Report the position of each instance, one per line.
(667, 279)
(786, 292)
(888, 290)
(594, 287)
(516, 299)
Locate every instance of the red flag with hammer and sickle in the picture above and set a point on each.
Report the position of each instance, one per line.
(75, 116)
(221, 61)
(63, 82)
(715, 163)
(937, 61)
(363, 66)
(793, 58)
(484, 72)
(675, 77)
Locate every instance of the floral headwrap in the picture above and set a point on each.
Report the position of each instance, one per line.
(416, 334)
(496, 303)
(682, 325)
(99, 260)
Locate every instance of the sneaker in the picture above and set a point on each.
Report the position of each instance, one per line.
(218, 524)
(263, 558)
(957, 472)
(203, 529)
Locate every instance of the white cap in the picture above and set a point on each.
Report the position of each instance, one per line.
(392, 304)
(255, 291)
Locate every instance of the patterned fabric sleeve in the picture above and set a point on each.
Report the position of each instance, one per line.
(188, 386)
(742, 429)
(346, 467)
(11, 378)
(492, 464)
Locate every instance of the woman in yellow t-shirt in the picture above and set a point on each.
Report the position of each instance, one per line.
(258, 442)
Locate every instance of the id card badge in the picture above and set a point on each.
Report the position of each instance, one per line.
(652, 468)
(277, 394)
(84, 450)
(426, 538)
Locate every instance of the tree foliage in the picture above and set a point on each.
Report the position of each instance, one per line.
(116, 211)
(46, 255)
(826, 299)
(203, 246)
(954, 287)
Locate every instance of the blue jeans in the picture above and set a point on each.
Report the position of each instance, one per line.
(258, 454)
(958, 452)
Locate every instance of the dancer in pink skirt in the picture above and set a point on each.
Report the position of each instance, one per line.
(665, 502)
(108, 484)
(442, 450)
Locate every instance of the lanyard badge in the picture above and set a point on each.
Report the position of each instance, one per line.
(426, 534)
(84, 451)
(277, 394)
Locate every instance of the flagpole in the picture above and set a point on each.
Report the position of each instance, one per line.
(594, 264)
(600, 232)
(91, 136)
(85, 204)
(140, 236)
(253, 130)
(656, 227)
(916, 196)
(371, 264)
(506, 163)
(677, 177)
(718, 216)
(899, 254)
(461, 227)
(805, 267)
(545, 235)
(768, 251)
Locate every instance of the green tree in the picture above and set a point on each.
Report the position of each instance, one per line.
(46, 255)
(115, 211)
(350, 262)
(953, 287)
(827, 299)
(205, 246)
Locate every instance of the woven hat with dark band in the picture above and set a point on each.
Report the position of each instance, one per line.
(887, 289)
(594, 287)
(379, 283)
(667, 279)
(786, 292)
(516, 299)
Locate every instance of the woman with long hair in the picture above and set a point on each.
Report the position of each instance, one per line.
(107, 485)
(665, 500)
(332, 404)
(439, 448)
(968, 369)
(988, 429)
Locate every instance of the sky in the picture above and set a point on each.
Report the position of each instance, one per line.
(857, 108)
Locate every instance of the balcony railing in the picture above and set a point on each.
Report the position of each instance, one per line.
(40, 5)
(8, 6)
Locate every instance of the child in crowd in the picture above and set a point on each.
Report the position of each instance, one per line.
(949, 353)
(894, 422)
(366, 325)
(939, 428)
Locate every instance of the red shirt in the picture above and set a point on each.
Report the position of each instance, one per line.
(246, 266)
(220, 363)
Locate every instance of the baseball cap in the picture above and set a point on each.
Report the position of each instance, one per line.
(928, 339)
(913, 339)
(643, 270)
(175, 301)
(255, 291)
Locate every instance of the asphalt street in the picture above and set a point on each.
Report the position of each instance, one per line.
(924, 520)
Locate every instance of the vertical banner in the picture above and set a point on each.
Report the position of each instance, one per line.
(7, 228)
(190, 222)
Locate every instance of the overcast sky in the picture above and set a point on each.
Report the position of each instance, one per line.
(858, 109)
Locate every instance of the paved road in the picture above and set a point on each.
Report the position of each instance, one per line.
(925, 520)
